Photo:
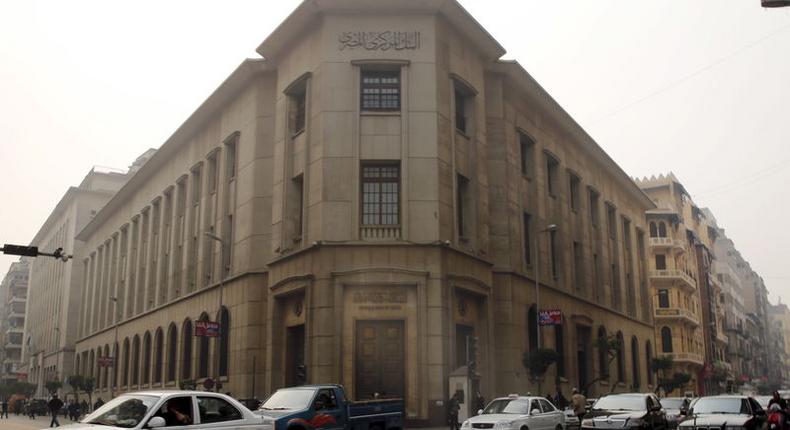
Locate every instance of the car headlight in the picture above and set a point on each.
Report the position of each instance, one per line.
(588, 422)
(503, 424)
(466, 424)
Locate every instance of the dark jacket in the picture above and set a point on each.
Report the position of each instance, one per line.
(55, 404)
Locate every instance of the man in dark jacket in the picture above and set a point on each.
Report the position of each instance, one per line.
(54, 407)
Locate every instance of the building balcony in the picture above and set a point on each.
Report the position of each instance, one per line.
(380, 232)
(674, 275)
(17, 299)
(14, 330)
(11, 345)
(685, 357)
(676, 314)
(722, 338)
(14, 314)
(666, 243)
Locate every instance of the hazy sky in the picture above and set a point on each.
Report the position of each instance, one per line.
(700, 88)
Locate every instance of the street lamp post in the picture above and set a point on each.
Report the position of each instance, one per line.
(221, 279)
(115, 349)
(549, 228)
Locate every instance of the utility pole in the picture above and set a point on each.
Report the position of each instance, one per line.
(549, 228)
(221, 280)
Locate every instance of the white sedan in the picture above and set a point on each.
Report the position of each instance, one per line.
(173, 409)
(518, 413)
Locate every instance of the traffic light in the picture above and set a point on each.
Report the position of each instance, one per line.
(25, 251)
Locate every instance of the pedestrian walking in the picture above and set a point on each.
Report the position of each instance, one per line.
(83, 407)
(453, 406)
(481, 402)
(560, 401)
(579, 404)
(54, 407)
(31, 410)
(99, 403)
(4, 408)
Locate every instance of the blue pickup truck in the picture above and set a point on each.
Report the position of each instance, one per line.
(312, 407)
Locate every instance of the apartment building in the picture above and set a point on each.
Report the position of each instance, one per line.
(354, 207)
(50, 329)
(13, 296)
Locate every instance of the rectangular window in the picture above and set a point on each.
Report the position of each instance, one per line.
(380, 90)
(661, 262)
(597, 276)
(555, 270)
(462, 201)
(611, 220)
(551, 174)
(298, 204)
(381, 194)
(574, 182)
(230, 158)
(212, 172)
(461, 114)
(297, 104)
(593, 207)
(527, 148)
(526, 236)
(578, 266)
(663, 298)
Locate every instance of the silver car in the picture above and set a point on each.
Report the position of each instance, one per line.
(518, 413)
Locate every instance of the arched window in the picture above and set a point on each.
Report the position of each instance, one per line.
(653, 229)
(620, 357)
(662, 229)
(106, 371)
(158, 355)
(666, 339)
(91, 363)
(532, 328)
(135, 361)
(649, 362)
(603, 353)
(172, 347)
(125, 380)
(224, 341)
(146, 358)
(203, 351)
(559, 342)
(635, 361)
(186, 351)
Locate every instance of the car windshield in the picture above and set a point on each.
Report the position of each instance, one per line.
(508, 406)
(289, 399)
(672, 403)
(620, 403)
(713, 405)
(122, 411)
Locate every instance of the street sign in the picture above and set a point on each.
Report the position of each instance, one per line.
(208, 384)
(550, 317)
(206, 329)
(105, 361)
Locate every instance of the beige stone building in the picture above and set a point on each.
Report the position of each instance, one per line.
(13, 297)
(674, 278)
(55, 287)
(371, 192)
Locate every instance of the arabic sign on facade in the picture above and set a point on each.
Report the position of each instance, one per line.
(206, 328)
(380, 40)
(550, 317)
(105, 361)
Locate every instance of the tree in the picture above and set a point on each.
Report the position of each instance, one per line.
(87, 387)
(612, 346)
(53, 386)
(537, 362)
(75, 382)
(660, 366)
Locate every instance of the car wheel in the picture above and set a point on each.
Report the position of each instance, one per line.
(524, 428)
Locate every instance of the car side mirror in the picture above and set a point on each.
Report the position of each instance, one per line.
(535, 412)
(479, 412)
(156, 422)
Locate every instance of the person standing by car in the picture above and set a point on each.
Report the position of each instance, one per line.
(453, 406)
(579, 404)
(776, 398)
(54, 407)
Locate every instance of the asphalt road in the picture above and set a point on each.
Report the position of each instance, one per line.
(20, 422)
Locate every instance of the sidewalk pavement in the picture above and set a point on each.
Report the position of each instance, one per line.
(21, 422)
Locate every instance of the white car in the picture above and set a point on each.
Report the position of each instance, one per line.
(173, 409)
(518, 413)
